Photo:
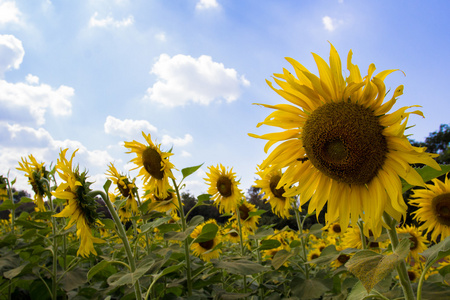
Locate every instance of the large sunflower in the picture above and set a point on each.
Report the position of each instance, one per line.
(37, 175)
(339, 145)
(80, 207)
(223, 188)
(268, 183)
(154, 165)
(434, 208)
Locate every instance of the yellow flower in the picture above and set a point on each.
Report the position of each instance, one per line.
(352, 239)
(80, 206)
(313, 254)
(154, 165)
(3, 189)
(417, 240)
(341, 259)
(339, 145)
(168, 203)
(223, 188)
(204, 250)
(268, 183)
(230, 232)
(247, 220)
(334, 229)
(434, 208)
(36, 174)
(124, 186)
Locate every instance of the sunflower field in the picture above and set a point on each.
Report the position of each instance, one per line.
(340, 150)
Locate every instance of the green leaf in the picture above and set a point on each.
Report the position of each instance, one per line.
(208, 233)
(97, 268)
(358, 292)
(203, 197)
(151, 225)
(109, 224)
(73, 279)
(7, 204)
(196, 220)
(281, 257)
(370, 267)
(328, 255)
(31, 224)
(14, 272)
(241, 266)
(269, 244)
(256, 213)
(427, 173)
(25, 200)
(189, 170)
(261, 233)
(438, 251)
(106, 186)
(312, 288)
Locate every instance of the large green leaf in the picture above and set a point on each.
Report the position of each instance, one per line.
(438, 251)
(282, 256)
(241, 266)
(15, 272)
(370, 267)
(189, 170)
(269, 244)
(312, 288)
(209, 232)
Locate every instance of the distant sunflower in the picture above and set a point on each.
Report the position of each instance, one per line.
(341, 259)
(154, 165)
(80, 207)
(339, 145)
(124, 186)
(168, 203)
(434, 208)
(335, 229)
(223, 188)
(204, 250)
(268, 183)
(247, 220)
(230, 232)
(313, 254)
(3, 189)
(417, 240)
(36, 174)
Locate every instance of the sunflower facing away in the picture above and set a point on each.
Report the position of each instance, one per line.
(268, 183)
(154, 165)
(36, 174)
(167, 204)
(223, 188)
(80, 207)
(434, 208)
(124, 186)
(339, 145)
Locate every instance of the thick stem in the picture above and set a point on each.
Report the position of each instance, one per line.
(241, 242)
(362, 236)
(401, 268)
(123, 236)
(55, 252)
(186, 241)
(13, 209)
(300, 229)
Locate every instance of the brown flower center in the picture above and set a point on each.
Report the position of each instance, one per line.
(343, 258)
(208, 245)
(345, 141)
(152, 162)
(414, 242)
(412, 276)
(224, 186)
(124, 190)
(244, 212)
(336, 228)
(314, 256)
(273, 187)
(441, 208)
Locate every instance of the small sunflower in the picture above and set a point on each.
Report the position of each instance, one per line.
(268, 183)
(230, 232)
(341, 259)
(313, 254)
(339, 144)
(80, 207)
(168, 203)
(247, 220)
(204, 250)
(3, 189)
(352, 239)
(434, 208)
(223, 188)
(154, 165)
(334, 229)
(417, 240)
(37, 175)
(124, 186)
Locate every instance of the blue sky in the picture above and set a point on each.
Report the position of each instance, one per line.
(92, 74)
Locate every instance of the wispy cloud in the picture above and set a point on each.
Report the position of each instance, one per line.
(169, 141)
(330, 24)
(11, 53)
(206, 4)
(183, 79)
(127, 128)
(109, 21)
(9, 13)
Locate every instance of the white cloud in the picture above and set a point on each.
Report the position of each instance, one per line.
(127, 128)
(185, 154)
(206, 4)
(183, 79)
(31, 79)
(9, 13)
(11, 53)
(110, 21)
(161, 37)
(17, 98)
(177, 142)
(330, 24)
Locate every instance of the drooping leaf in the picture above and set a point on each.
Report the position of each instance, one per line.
(281, 257)
(312, 288)
(97, 268)
(241, 266)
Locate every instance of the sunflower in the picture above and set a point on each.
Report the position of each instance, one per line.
(434, 208)
(248, 220)
(204, 250)
(168, 203)
(334, 229)
(124, 186)
(154, 165)
(417, 241)
(223, 188)
(313, 254)
(38, 178)
(124, 211)
(339, 145)
(341, 259)
(352, 239)
(3, 189)
(268, 183)
(80, 207)
(230, 232)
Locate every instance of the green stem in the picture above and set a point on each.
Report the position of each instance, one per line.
(422, 278)
(260, 278)
(300, 229)
(186, 241)
(123, 236)
(13, 209)
(401, 268)
(362, 236)
(55, 252)
(241, 242)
